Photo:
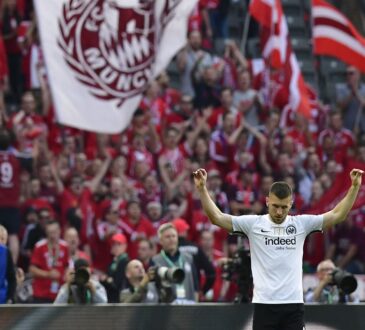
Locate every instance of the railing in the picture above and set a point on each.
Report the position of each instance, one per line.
(166, 317)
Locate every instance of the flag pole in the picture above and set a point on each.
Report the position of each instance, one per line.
(246, 26)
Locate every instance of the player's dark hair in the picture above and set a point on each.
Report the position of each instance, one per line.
(281, 190)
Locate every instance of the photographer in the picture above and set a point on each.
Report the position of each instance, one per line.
(80, 288)
(140, 289)
(327, 291)
(170, 257)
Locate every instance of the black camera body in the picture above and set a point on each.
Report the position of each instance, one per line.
(78, 290)
(344, 280)
(82, 276)
(238, 269)
(164, 279)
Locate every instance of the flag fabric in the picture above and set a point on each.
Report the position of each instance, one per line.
(274, 30)
(101, 54)
(278, 53)
(334, 35)
(338, 191)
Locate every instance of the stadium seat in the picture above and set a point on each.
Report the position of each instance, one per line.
(302, 47)
(331, 66)
(296, 25)
(253, 48)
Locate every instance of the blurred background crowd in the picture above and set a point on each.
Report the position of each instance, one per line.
(99, 197)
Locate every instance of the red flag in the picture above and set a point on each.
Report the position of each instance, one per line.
(339, 188)
(334, 35)
(262, 10)
(274, 31)
(277, 51)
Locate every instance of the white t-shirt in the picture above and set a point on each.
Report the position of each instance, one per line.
(277, 254)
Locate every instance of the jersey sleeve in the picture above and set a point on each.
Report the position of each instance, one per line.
(243, 223)
(36, 258)
(312, 223)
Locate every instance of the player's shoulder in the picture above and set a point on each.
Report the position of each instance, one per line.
(249, 217)
(301, 218)
(41, 243)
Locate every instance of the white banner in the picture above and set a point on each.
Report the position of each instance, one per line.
(100, 55)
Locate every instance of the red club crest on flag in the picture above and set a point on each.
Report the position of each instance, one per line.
(109, 45)
(100, 55)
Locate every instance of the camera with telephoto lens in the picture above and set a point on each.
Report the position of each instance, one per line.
(164, 279)
(344, 280)
(170, 275)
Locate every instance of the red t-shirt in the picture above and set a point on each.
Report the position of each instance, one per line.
(37, 204)
(84, 202)
(135, 231)
(9, 180)
(45, 259)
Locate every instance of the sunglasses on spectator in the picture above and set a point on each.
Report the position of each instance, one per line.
(350, 73)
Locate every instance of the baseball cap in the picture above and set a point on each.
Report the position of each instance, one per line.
(119, 238)
(181, 225)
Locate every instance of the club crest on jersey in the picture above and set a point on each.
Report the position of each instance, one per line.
(291, 230)
(110, 45)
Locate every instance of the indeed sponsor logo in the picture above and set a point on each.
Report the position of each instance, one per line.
(280, 241)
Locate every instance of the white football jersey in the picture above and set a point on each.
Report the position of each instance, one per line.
(277, 255)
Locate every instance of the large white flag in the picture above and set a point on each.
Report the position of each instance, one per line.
(100, 54)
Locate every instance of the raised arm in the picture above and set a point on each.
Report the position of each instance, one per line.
(215, 215)
(340, 211)
(95, 181)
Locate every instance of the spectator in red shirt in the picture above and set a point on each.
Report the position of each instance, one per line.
(216, 118)
(109, 225)
(343, 137)
(139, 153)
(48, 186)
(118, 198)
(35, 200)
(9, 193)
(221, 145)
(181, 114)
(154, 214)
(243, 194)
(71, 237)
(146, 250)
(79, 195)
(220, 286)
(171, 161)
(136, 226)
(49, 262)
(150, 192)
(28, 127)
(201, 152)
(170, 96)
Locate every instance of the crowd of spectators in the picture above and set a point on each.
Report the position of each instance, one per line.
(67, 194)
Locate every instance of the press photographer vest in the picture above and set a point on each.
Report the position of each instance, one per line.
(186, 263)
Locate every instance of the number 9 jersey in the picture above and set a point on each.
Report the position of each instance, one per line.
(9, 180)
